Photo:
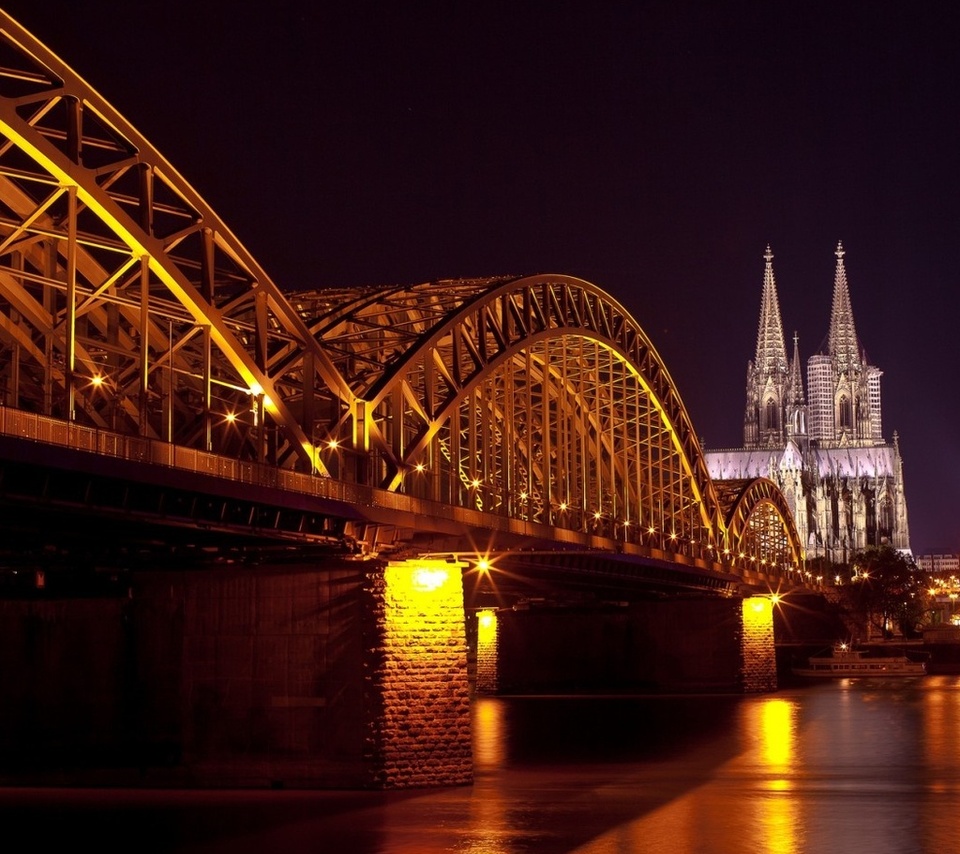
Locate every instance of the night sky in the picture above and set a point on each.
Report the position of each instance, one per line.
(652, 148)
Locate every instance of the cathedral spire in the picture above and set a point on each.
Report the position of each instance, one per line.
(842, 345)
(796, 382)
(795, 407)
(767, 375)
(771, 358)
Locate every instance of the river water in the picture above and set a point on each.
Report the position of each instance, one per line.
(848, 766)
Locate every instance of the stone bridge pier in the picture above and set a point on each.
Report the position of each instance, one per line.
(341, 675)
(356, 674)
(660, 645)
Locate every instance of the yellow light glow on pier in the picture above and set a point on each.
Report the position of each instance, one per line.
(757, 645)
(487, 677)
(428, 579)
(486, 621)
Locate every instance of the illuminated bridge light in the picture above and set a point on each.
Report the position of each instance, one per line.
(428, 580)
(420, 467)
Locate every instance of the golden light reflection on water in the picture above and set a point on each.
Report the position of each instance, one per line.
(488, 735)
(777, 814)
(490, 806)
(840, 767)
(748, 805)
(777, 728)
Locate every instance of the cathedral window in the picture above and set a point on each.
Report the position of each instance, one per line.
(886, 520)
(772, 420)
(846, 413)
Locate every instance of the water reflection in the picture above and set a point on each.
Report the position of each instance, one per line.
(778, 814)
(489, 745)
(854, 766)
(489, 804)
(833, 768)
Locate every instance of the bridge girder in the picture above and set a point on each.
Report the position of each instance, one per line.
(127, 305)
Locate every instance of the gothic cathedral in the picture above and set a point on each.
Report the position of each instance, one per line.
(824, 449)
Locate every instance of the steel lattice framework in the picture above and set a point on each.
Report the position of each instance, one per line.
(126, 304)
(759, 524)
(538, 398)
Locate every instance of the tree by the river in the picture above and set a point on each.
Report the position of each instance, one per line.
(884, 589)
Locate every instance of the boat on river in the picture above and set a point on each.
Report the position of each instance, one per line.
(847, 661)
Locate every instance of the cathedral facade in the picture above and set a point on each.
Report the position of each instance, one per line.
(822, 445)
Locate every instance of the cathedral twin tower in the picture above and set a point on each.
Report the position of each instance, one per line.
(824, 449)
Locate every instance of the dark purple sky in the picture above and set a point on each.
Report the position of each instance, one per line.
(652, 148)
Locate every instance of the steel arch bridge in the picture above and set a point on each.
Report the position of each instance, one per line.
(126, 305)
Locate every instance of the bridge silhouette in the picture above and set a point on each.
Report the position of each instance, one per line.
(151, 373)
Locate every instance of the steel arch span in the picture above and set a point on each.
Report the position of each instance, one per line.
(761, 531)
(538, 398)
(127, 305)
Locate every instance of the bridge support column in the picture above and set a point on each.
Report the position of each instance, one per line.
(416, 683)
(757, 645)
(488, 636)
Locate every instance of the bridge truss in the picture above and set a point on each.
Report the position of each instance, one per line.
(126, 305)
